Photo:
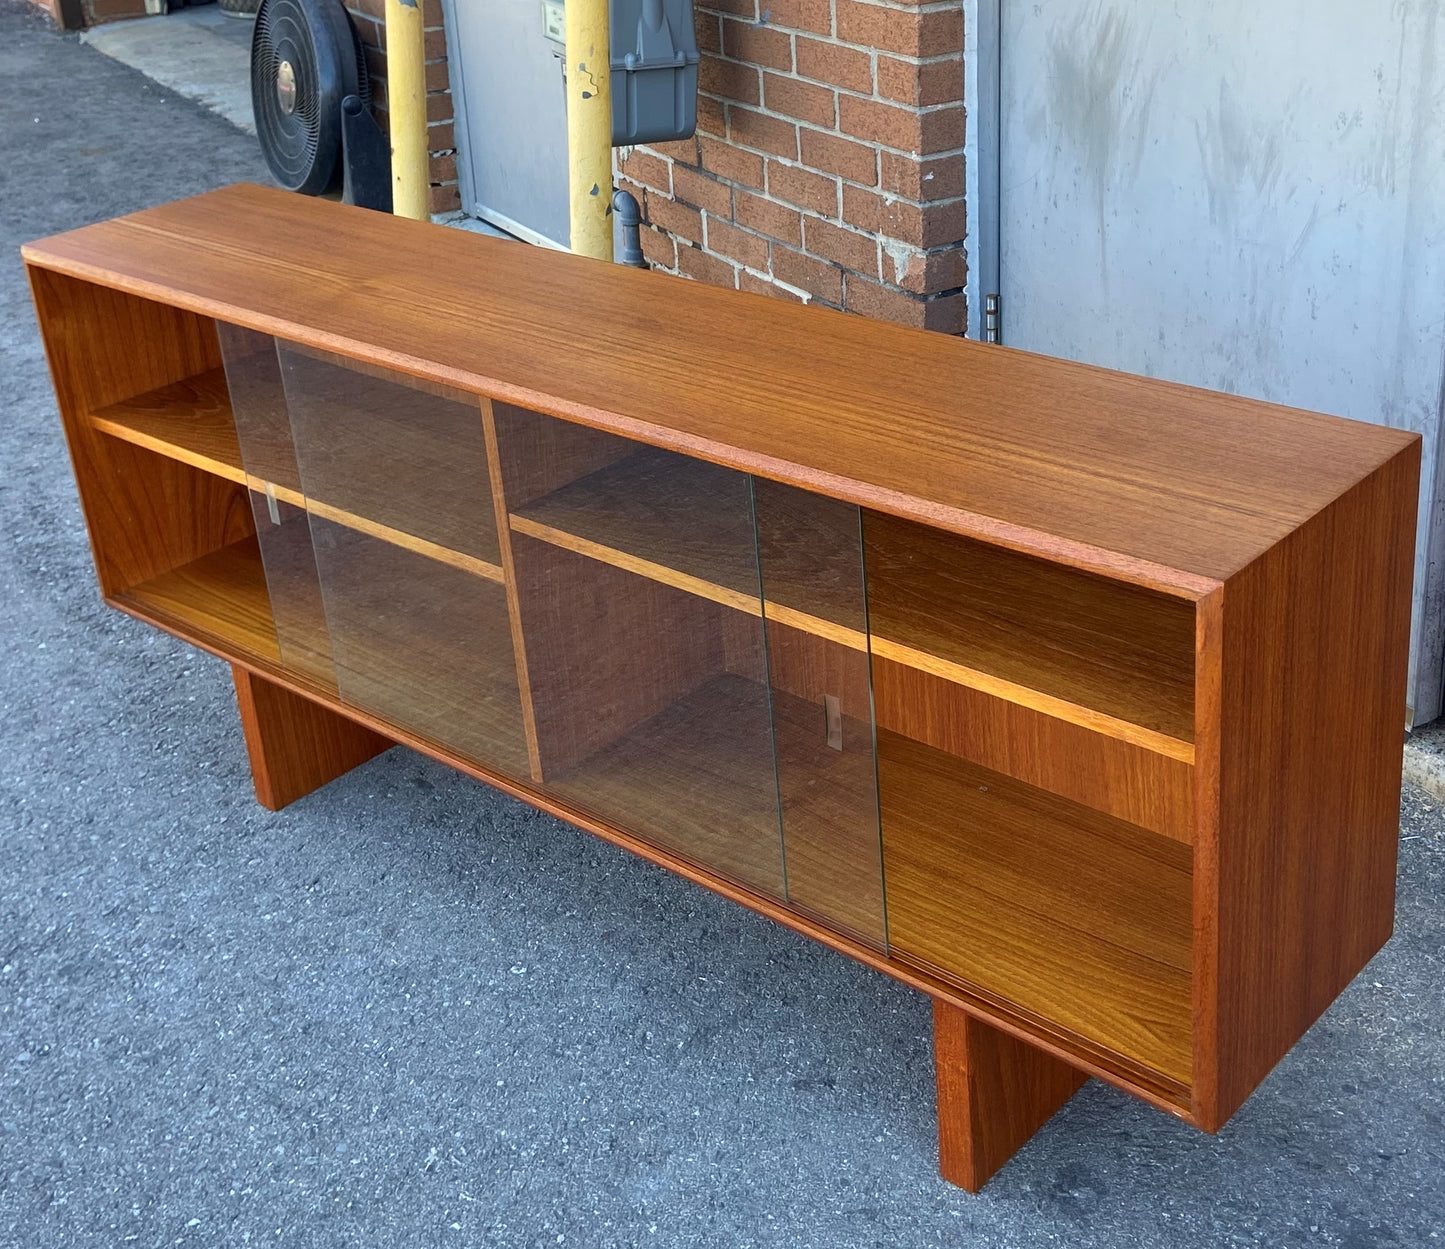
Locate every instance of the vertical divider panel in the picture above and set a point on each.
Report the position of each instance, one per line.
(509, 581)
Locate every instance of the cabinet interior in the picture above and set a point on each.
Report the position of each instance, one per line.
(975, 760)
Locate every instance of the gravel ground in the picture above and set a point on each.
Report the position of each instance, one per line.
(408, 1011)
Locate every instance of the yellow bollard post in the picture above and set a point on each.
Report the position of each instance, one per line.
(589, 128)
(406, 109)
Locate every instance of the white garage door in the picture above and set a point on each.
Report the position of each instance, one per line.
(1244, 196)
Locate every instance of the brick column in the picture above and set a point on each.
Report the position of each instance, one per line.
(94, 12)
(828, 162)
(370, 19)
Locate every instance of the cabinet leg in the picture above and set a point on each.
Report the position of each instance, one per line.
(296, 745)
(994, 1092)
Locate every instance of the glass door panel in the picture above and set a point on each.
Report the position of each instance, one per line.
(283, 538)
(639, 599)
(810, 551)
(398, 490)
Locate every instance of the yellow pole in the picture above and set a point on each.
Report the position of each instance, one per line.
(589, 128)
(406, 108)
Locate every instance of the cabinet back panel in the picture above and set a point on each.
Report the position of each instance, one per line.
(1110, 646)
(539, 454)
(592, 635)
(1109, 775)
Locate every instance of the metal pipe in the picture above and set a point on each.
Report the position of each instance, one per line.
(629, 217)
(406, 109)
(589, 128)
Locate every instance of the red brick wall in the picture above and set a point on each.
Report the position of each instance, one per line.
(828, 160)
(828, 163)
(370, 19)
(94, 12)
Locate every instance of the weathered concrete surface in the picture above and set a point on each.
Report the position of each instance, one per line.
(410, 1012)
(198, 53)
(1425, 759)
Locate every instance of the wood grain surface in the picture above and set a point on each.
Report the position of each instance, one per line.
(994, 1092)
(1300, 840)
(696, 779)
(296, 745)
(1090, 644)
(191, 422)
(145, 513)
(1120, 778)
(605, 650)
(423, 644)
(399, 457)
(221, 596)
(1071, 915)
(1160, 483)
(501, 512)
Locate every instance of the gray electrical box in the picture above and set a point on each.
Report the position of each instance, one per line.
(654, 71)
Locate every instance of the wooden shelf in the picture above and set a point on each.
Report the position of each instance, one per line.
(424, 645)
(228, 600)
(456, 685)
(1126, 672)
(219, 600)
(409, 459)
(682, 522)
(1106, 655)
(689, 524)
(191, 421)
(1068, 913)
(983, 872)
(991, 625)
(696, 779)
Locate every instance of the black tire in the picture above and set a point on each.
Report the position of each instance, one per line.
(316, 39)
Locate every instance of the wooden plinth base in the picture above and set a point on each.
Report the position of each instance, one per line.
(296, 745)
(994, 1092)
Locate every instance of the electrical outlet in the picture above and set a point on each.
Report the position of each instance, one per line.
(554, 21)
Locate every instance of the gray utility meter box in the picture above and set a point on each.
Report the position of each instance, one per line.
(654, 71)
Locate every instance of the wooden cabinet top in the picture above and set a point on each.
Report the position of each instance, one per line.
(1167, 485)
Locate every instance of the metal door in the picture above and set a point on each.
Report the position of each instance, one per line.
(1243, 196)
(511, 118)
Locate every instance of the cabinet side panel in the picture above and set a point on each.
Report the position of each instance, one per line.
(1315, 644)
(146, 514)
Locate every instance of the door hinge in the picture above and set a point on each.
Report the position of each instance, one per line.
(991, 319)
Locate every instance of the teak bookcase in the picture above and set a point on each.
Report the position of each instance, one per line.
(1072, 699)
